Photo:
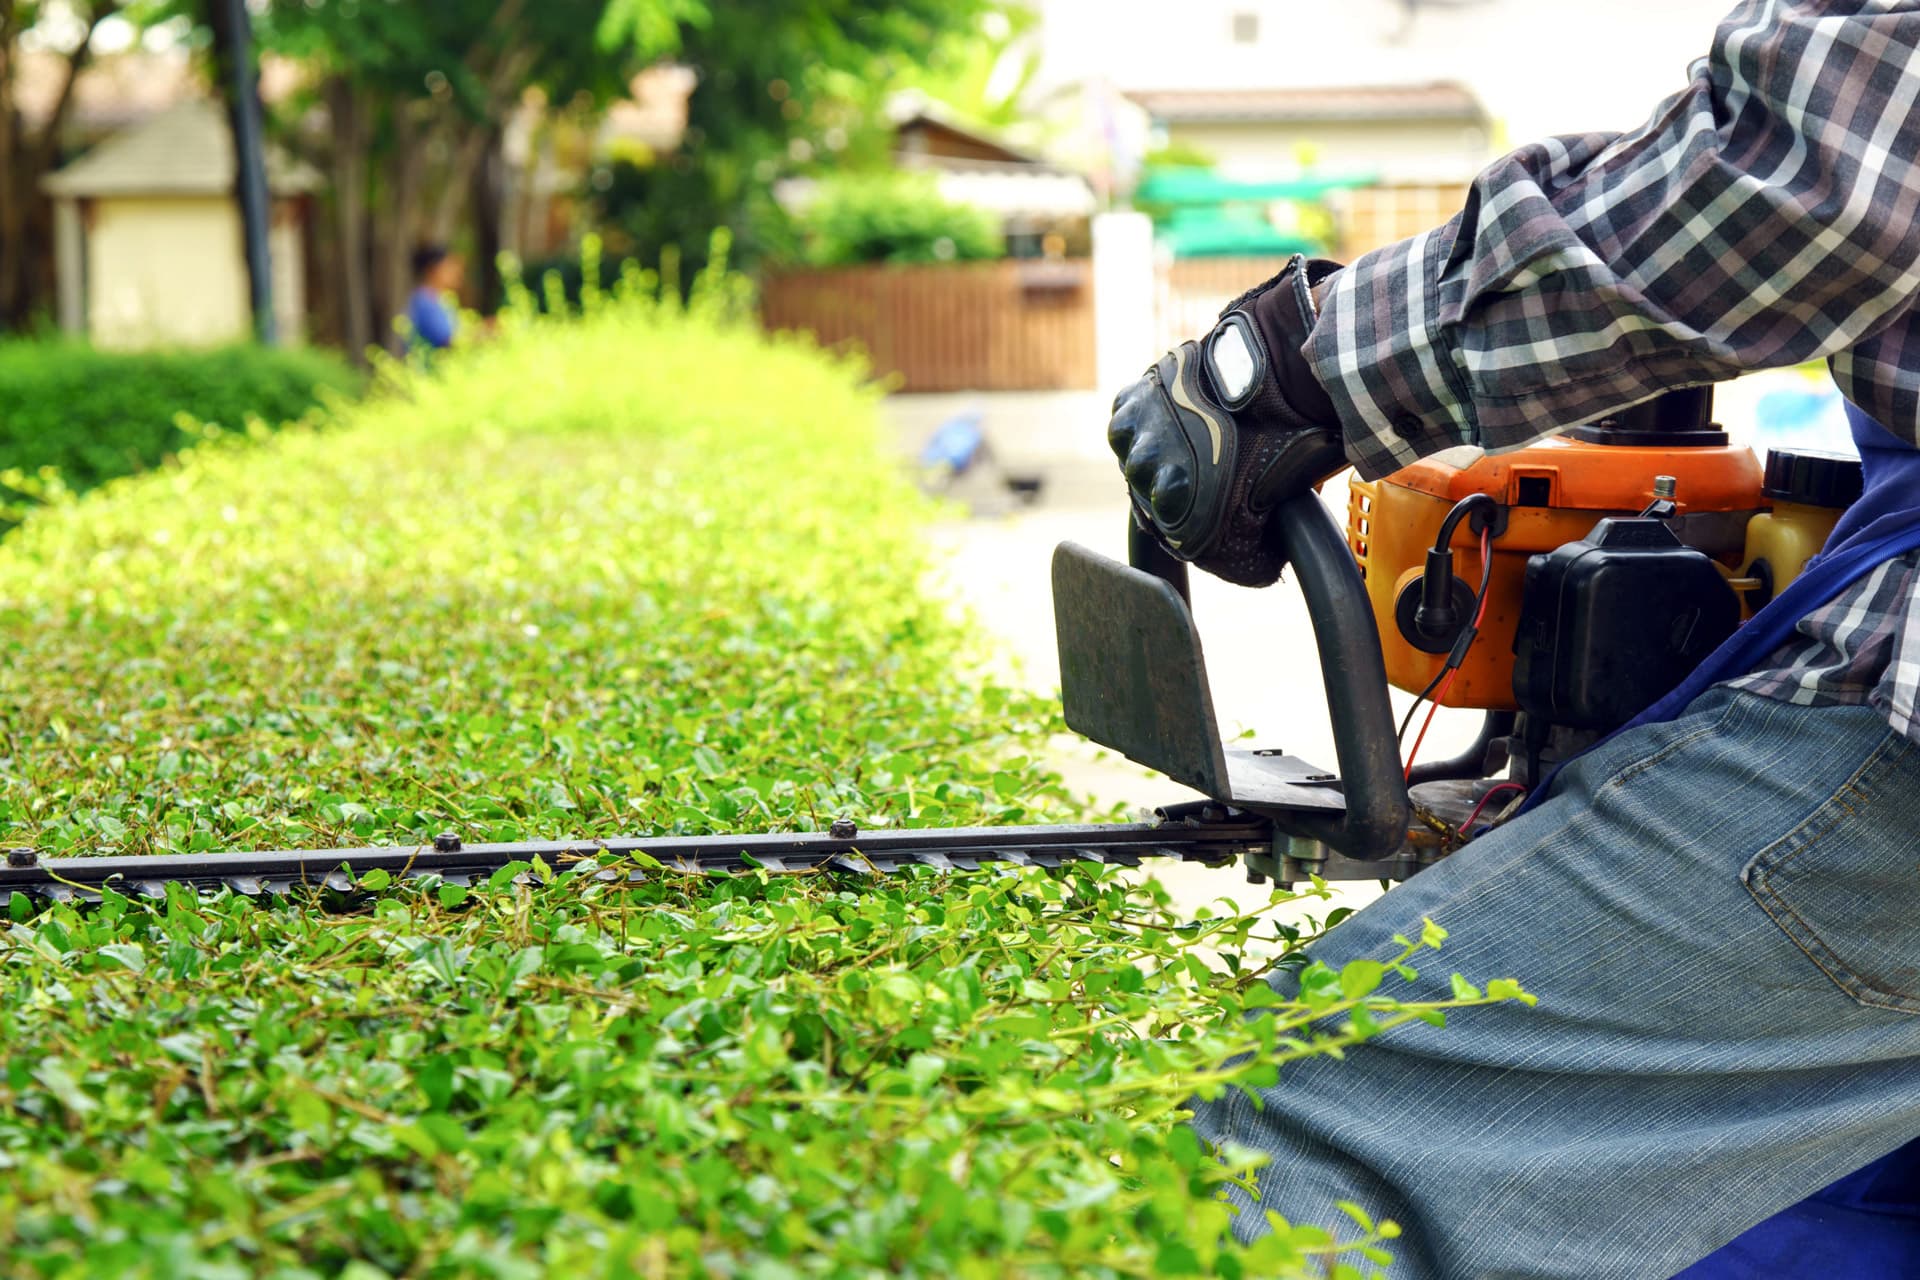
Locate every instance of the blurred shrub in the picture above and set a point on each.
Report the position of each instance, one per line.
(893, 217)
(92, 415)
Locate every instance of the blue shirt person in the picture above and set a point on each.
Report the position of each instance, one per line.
(437, 272)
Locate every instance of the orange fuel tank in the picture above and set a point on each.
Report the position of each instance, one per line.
(1553, 493)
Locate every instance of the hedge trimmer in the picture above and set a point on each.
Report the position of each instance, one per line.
(1601, 567)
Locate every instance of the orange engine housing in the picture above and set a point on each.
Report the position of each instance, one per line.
(1554, 493)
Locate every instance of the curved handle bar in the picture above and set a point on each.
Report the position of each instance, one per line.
(1374, 823)
(1355, 675)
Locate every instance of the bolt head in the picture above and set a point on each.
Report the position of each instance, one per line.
(22, 858)
(843, 829)
(446, 842)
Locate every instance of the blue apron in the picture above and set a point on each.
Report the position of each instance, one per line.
(1867, 1225)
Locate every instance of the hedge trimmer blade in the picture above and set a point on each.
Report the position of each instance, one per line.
(1215, 836)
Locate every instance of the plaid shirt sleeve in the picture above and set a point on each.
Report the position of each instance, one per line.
(1766, 215)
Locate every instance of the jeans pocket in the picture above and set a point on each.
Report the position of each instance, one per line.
(1844, 884)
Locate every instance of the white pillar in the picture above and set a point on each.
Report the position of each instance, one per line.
(1123, 298)
(70, 265)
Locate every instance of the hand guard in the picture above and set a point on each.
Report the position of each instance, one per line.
(1220, 431)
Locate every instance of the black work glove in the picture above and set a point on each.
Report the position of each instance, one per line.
(1221, 431)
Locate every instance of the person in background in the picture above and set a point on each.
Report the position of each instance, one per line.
(437, 272)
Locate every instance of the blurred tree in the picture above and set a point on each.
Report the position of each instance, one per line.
(416, 97)
(61, 30)
(980, 76)
(783, 86)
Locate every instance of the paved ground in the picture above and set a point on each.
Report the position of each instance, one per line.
(1259, 644)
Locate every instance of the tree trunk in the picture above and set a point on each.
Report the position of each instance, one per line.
(233, 56)
(10, 246)
(489, 209)
(350, 216)
(402, 220)
(26, 217)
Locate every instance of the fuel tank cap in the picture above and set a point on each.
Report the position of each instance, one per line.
(1812, 478)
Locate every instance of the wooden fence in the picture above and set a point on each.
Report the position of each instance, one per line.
(1015, 325)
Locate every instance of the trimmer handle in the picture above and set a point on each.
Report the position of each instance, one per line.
(1355, 676)
(1148, 554)
(1352, 670)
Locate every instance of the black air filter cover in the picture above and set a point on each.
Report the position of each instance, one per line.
(1614, 621)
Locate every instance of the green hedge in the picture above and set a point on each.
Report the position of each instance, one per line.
(893, 217)
(94, 415)
(641, 570)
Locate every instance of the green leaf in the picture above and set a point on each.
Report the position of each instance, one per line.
(708, 762)
(1508, 989)
(435, 1078)
(127, 955)
(1359, 978)
(308, 1112)
(502, 879)
(58, 1079)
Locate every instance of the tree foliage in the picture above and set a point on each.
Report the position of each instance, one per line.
(784, 87)
(417, 97)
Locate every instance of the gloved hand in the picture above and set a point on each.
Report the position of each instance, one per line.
(1220, 431)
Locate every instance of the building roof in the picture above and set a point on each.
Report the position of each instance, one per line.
(974, 167)
(926, 134)
(186, 149)
(1439, 101)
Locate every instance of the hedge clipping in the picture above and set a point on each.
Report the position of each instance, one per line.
(637, 570)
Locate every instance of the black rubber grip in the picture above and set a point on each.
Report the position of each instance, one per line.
(1354, 674)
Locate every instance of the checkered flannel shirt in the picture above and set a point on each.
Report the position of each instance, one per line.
(1767, 214)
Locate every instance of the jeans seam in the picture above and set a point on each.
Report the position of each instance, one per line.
(1635, 768)
(1806, 938)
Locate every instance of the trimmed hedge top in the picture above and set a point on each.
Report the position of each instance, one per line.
(639, 571)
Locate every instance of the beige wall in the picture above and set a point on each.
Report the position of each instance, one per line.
(287, 252)
(165, 271)
(170, 271)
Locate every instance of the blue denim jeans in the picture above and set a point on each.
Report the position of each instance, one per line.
(1720, 916)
